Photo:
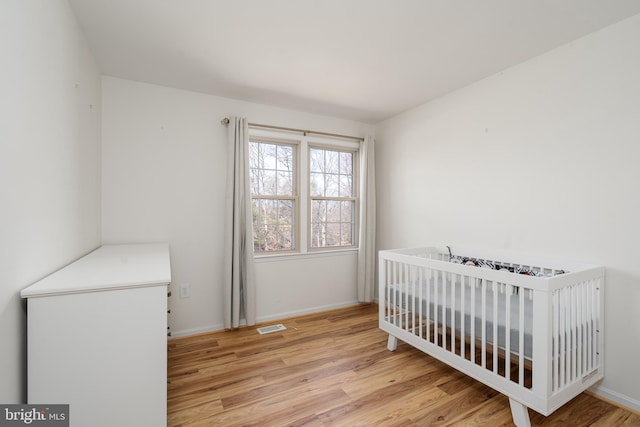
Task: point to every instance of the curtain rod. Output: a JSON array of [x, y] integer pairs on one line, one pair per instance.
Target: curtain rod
[[225, 122]]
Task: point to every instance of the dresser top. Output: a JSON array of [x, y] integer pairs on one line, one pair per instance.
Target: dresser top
[[109, 267]]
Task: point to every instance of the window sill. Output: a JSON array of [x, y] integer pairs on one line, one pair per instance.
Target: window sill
[[304, 255]]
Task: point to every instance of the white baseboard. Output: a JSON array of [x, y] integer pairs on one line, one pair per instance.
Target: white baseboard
[[262, 319], [196, 331], [302, 312], [619, 398]]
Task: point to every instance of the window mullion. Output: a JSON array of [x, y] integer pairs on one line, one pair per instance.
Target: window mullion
[[304, 202]]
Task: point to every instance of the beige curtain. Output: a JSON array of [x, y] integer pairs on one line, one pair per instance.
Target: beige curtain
[[367, 244], [239, 274]]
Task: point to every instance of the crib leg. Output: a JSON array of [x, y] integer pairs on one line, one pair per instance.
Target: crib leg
[[392, 343], [520, 414]]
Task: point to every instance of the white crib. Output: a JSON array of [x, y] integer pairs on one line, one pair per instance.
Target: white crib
[[535, 337]]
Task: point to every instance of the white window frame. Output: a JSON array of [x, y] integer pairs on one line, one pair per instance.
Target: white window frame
[[339, 146], [295, 197], [302, 185]]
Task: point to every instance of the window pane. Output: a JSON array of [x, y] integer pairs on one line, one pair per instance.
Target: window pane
[[316, 160], [333, 234], [331, 163], [317, 235], [271, 169], [267, 183], [332, 223], [285, 212], [273, 238], [317, 184], [346, 235], [255, 155], [318, 210], [286, 238], [333, 211], [346, 163], [332, 185], [285, 158], [268, 160], [285, 183], [346, 186], [254, 179], [346, 213], [273, 224]]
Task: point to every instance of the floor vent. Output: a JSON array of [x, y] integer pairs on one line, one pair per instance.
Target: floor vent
[[272, 328]]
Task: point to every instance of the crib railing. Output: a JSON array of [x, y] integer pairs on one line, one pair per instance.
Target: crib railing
[[442, 308], [532, 337], [575, 328]]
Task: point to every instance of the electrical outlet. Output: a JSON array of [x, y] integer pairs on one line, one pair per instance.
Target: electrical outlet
[[185, 290]]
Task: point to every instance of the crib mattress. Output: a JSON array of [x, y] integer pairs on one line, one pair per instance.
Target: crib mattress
[[422, 297]]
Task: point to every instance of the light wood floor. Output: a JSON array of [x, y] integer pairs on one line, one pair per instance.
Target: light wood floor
[[333, 369]]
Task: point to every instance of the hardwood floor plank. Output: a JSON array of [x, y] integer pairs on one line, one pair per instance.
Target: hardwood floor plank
[[194, 408], [457, 407], [334, 369], [494, 412], [618, 418]]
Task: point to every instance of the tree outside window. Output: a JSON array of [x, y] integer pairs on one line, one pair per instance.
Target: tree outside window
[[273, 196], [332, 198]]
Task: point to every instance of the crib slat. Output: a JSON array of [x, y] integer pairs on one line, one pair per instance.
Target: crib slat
[[392, 292], [596, 325], [429, 286], [569, 332], [436, 304], [562, 338], [495, 327], [590, 327], [389, 271], [580, 324], [507, 330], [590, 333], [556, 349], [443, 307], [521, 338], [397, 297], [483, 356], [421, 298], [454, 278], [598, 312], [574, 339], [463, 287], [405, 293], [414, 300], [392, 300], [590, 324], [587, 326], [472, 297]]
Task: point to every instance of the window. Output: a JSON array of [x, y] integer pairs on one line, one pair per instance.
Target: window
[[306, 205], [332, 198], [274, 206]]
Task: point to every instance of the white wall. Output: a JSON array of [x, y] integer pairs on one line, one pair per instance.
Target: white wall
[[164, 172], [541, 159], [49, 162]]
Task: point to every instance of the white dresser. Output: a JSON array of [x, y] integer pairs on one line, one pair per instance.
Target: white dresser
[[97, 337]]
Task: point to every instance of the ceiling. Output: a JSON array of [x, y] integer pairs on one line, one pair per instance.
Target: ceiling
[[364, 60]]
